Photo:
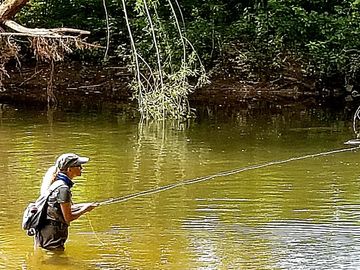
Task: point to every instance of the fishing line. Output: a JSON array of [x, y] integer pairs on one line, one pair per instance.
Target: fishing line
[[93, 230], [220, 174]]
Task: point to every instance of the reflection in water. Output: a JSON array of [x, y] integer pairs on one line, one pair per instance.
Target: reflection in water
[[290, 215]]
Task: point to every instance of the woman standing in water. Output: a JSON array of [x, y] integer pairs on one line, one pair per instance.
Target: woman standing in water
[[53, 234]]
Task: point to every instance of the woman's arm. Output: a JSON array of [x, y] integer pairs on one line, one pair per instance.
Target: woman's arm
[[72, 214]]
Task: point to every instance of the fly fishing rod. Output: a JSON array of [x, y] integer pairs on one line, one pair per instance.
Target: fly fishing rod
[[221, 174], [353, 142]]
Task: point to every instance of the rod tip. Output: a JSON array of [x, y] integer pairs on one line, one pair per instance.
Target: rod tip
[[355, 142]]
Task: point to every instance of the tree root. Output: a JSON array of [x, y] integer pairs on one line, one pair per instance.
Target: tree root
[[9, 50]]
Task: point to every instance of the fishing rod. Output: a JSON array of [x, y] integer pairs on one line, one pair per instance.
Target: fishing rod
[[224, 173], [353, 142]]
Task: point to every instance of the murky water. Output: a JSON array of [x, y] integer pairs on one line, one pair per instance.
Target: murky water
[[301, 214]]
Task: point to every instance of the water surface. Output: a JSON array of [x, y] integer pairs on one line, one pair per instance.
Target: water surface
[[295, 215]]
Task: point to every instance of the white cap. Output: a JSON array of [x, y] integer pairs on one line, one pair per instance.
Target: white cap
[[68, 160]]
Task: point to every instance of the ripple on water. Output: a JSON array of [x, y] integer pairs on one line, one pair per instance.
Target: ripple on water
[[315, 245], [289, 244]]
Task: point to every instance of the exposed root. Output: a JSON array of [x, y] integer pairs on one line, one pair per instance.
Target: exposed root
[[54, 49], [48, 49], [9, 50]]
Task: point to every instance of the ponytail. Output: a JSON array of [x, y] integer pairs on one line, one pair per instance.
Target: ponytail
[[48, 179]]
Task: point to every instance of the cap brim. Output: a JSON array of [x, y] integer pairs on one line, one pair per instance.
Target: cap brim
[[81, 160]]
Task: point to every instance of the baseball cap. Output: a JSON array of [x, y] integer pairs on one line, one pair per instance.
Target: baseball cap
[[68, 160]]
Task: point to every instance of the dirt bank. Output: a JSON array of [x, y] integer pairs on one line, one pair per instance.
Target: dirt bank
[[69, 84], [83, 85]]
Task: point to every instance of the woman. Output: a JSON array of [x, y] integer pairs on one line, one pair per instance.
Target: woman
[[60, 212]]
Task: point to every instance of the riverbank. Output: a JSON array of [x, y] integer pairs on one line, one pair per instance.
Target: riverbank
[[75, 85]]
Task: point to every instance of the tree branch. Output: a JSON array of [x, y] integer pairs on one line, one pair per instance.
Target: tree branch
[[57, 32], [9, 8]]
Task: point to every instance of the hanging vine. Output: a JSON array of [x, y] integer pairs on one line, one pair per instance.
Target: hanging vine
[[161, 84]]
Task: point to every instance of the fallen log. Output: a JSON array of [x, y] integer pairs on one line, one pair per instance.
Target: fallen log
[[8, 10], [56, 32]]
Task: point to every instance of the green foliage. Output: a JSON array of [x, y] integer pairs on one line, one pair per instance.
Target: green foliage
[[164, 61], [82, 14], [255, 39], [322, 39], [336, 51]]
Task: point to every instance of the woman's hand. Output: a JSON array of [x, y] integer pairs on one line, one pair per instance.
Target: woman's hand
[[83, 207], [90, 206], [72, 212]]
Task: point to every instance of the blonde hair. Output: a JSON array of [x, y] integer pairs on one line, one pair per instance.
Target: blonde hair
[[48, 179]]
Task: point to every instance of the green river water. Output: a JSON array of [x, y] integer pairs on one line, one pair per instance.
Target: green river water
[[301, 214]]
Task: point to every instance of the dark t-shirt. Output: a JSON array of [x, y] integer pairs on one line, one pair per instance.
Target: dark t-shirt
[[60, 195]]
